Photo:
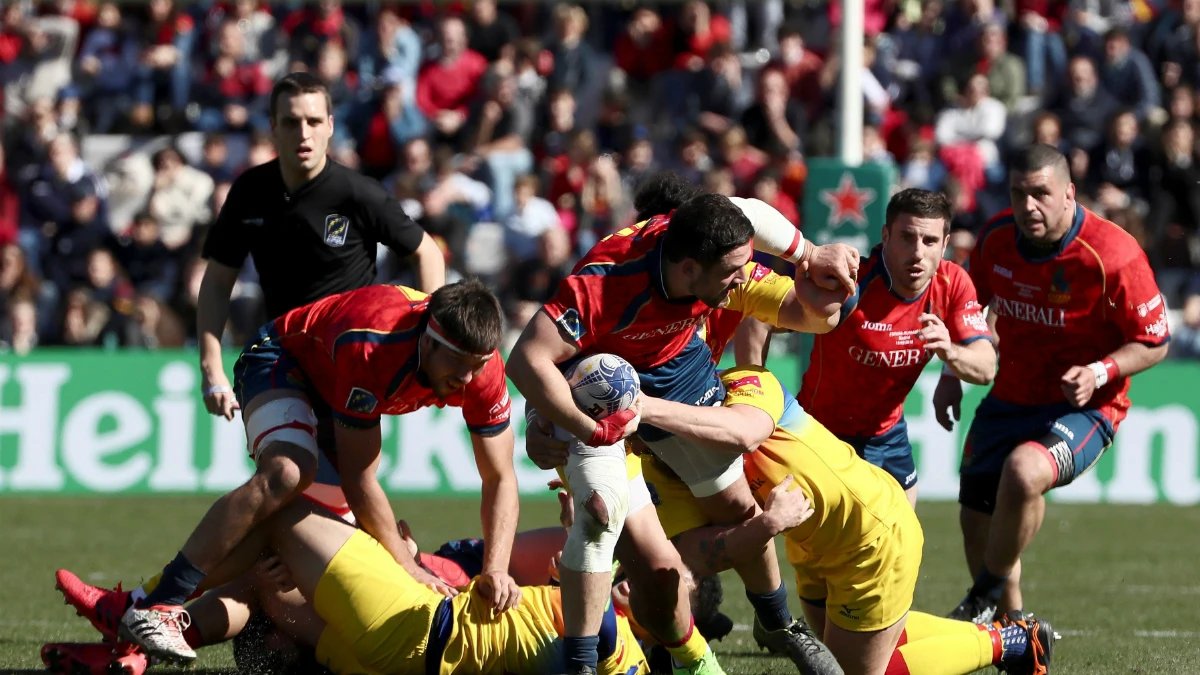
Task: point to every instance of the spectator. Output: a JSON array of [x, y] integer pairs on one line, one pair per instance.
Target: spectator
[[493, 135], [693, 158], [416, 166], [387, 129], [1118, 169], [719, 181], [164, 75], [108, 64], [923, 169], [392, 55], [150, 266], [1185, 338], [1084, 107], [743, 161], [258, 28], [801, 68], [1181, 103], [767, 188], [262, 150], [234, 93], [1005, 72], [1128, 75], [642, 50], [73, 240], [180, 199], [559, 128], [695, 33], [1174, 197], [601, 201], [491, 32], [20, 332], [874, 148], [576, 66], [529, 222], [531, 85], [17, 280], [214, 159], [963, 21], [48, 195], [614, 130], [342, 86], [447, 85], [968, 134], [776, 122], [535, 281], [311, 28], [10, 206], [721, 94], [638, 161], [1045, 51], [918, 50], [1047, 129]]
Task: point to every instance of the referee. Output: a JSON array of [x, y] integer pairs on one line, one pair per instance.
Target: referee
[[311, 225]]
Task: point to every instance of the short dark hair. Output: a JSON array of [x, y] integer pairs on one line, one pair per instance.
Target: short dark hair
[[1039, 156], [662, 193], [295, 84], [921, 204], [706, 228], [469, 314]]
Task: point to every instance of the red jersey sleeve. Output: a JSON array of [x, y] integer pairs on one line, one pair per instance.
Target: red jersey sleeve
[[352, 402], [486, 406], [965, 320], [573, 309], [1140, 311]]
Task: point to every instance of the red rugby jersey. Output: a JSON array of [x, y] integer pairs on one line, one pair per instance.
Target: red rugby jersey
[[860, 373], [615, 302], [1092, 294], [359, 352]]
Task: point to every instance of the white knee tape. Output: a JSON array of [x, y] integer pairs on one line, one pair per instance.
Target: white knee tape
[[706, 471], [287, 420], [590, 545]]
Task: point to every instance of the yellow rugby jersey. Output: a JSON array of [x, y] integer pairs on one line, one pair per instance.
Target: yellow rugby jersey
[[853, 501], [760, 297]]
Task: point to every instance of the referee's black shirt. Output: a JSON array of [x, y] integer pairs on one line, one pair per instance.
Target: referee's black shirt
[[315, 242]]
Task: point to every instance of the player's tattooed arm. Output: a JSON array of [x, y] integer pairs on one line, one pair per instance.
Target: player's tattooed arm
[[716, 548], [735, 428]]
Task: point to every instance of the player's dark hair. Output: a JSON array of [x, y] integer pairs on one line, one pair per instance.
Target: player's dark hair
[[469, 314], [295, 84], [1037, 157], [662, 193], [920, 204], [706, 228]]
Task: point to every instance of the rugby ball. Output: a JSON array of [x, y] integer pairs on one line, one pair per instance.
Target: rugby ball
[[603, 384]]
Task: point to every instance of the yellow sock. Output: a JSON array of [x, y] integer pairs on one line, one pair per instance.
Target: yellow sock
[[921, 625], [150, 584], [937, 646], [690, 648]]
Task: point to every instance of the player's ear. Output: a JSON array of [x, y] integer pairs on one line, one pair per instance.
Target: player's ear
[[1071, 191]]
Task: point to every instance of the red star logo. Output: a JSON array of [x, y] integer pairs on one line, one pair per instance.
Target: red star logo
[[847, 202]]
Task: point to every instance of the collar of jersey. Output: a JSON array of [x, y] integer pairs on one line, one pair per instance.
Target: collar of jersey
[[1076, 225], [411, 367], [877, 254], [306, 184]]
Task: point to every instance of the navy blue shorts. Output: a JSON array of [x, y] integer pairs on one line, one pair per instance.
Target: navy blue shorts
[[466, 553], [265, 365], [889, 451], [1074, 439]]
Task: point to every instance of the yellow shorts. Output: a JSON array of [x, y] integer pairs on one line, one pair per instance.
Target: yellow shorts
[[378, 621], [867, 589], [377, 616]]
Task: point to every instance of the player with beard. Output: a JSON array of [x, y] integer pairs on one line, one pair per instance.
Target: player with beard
[[1077, 312], [645, 294]]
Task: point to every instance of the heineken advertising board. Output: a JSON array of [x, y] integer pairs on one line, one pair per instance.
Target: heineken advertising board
[[80, 422]]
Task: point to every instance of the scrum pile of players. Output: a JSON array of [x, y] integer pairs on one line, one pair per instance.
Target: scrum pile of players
[[306, 569]]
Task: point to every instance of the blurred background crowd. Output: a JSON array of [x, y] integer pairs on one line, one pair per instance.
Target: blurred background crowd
[[515, 134]]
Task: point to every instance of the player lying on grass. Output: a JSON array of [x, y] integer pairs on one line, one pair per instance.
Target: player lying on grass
[[856, 559], [644, 294], [1077, 312], [320, 377], [363, 612]]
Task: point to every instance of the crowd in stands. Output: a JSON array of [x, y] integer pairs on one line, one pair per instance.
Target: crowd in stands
[[516, 133]]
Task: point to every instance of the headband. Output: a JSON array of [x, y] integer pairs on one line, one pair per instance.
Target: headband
[[435, 331]]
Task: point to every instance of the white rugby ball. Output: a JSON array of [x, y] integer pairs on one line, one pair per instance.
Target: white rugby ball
[[603, 384]]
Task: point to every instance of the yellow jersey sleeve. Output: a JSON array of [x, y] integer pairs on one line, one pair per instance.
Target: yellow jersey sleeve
[[754, 386], [762, 294]]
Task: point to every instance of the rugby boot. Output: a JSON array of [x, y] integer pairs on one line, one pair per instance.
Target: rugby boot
[[705, 665], [1040, 636], [100, 658], [159, 631], [800, 644], [101, 606], [977, 609]]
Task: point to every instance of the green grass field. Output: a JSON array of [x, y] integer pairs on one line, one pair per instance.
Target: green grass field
[[1119, 582]]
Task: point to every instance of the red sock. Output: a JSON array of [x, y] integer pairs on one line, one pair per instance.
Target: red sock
[[897, 666]]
